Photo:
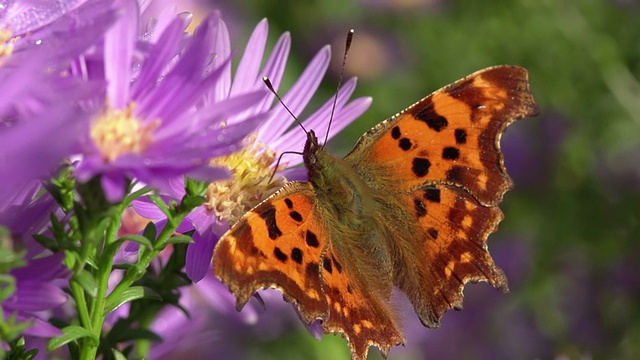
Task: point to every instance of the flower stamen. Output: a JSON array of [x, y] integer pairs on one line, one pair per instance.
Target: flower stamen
[[252, 168], [119, 132]]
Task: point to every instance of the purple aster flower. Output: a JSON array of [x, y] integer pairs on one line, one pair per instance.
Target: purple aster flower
[[38, 289], [158, 121], [253, 166], [39, 283], [27, 26], [39, 116]]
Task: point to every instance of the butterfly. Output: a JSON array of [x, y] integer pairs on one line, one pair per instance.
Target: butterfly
[[410, 207]]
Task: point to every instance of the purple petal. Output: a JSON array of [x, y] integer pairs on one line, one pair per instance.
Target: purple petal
[[342, 118], [41, 328], [274, 69], [23, 215], [159, 57], [35, 296], [199, 255], [295, 138], [145, 208], [249, 66], [42, 269], [210, 173], [119, 45], [202, 219], [114, 186], [25, 16], [296, 174], [34, 149], [296, 98], [222, 50]]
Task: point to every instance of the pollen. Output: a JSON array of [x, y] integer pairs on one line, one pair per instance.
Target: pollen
[[119, 132], [7, 43], [252, 169]]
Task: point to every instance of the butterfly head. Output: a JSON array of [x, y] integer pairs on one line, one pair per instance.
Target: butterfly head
[[311, 147]]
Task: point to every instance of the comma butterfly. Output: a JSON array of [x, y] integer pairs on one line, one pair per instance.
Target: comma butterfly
[[410, 206]]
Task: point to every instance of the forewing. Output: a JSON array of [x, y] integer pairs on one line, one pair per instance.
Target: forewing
[[284, 243], [278, 244], [452, 136]]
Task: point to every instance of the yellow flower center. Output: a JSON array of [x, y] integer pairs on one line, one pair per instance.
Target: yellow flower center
[[119, 132], [251, 170]]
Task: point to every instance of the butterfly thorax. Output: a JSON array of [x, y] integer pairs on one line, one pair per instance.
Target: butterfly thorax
[[336, 180], [348, 207]]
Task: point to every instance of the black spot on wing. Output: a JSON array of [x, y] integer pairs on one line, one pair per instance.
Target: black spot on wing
[[434, 120], [336, 264], [280, 255], [450, 153], [288, 202], [312, 239], [432, 194], [295, 216], [461, 136], [405, 144], [395, 132], [433, 232], [269, 217], [326, 264], [420, 166], [296, 255]]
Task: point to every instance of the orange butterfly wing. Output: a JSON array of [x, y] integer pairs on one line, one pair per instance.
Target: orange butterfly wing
[[283, 243], [452, 136], [438, 171], [451, 233], [277, 244]]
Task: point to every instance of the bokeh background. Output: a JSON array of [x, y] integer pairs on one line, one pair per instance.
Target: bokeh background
[[570, 242]]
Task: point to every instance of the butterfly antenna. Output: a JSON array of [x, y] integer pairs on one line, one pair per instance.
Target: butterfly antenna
[[274, 92], [275, 168], [267, 82], [335, 98]]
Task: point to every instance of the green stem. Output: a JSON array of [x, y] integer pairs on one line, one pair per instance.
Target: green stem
[[105, 266], [81, 304], [138, 271]]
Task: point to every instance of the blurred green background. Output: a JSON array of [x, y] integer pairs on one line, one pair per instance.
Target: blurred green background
[[570, 241]]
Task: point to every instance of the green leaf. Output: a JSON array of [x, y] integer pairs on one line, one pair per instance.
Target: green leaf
[[57, 227], [7, 286], [71, 333], [195, 187], [88, 282], [131, 294], [17, 351], [92, 263], [47, 242], [118, 355], [122, 266], [160, 204], [150, 231], [180, 239], [190, 202], [130, 334], [137, 238]]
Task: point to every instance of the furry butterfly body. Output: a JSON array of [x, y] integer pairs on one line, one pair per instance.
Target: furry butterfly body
[[411, 206]]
